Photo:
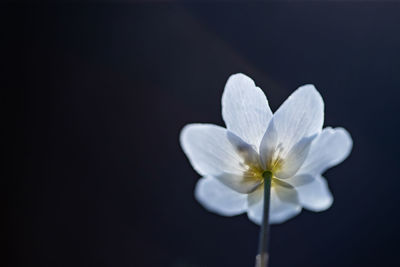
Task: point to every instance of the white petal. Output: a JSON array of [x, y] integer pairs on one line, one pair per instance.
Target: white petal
[[245, 109], [295, 158], [268, 144], [301, 115], [246, 151], [243, 183], [218, 198], [315, 196], [255, 202], [330, 148], [209, 150], [212, 151], [300, 179], [286, 192], [283, 205]]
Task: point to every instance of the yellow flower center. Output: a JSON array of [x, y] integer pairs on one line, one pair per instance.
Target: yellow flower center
[[257, 173]]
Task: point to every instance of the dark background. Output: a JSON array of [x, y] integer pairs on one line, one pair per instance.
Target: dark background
[[99, 94]]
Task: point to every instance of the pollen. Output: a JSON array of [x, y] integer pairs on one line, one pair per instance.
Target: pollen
[[254, 171], [275, 165]]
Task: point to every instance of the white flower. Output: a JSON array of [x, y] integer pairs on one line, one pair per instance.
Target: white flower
[[290, 143]]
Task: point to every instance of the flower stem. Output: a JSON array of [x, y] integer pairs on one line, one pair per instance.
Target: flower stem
[[262, 256]]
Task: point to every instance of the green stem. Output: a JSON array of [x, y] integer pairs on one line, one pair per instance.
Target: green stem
[[262, 257]]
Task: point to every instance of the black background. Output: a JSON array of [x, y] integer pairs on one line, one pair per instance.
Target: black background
[[99, 94]]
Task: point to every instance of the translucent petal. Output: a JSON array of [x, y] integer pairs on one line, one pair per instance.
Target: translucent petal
[[315, 196], [268, 144], [299, 180], [283, 204], [255, 205], [246, 151], [209, 150], [301, 115], [213, 151], [218, 198], [330, 148], [295, 158], [243, 183], [245, 109]]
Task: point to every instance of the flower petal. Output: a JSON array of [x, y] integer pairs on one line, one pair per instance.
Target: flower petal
[[255, 202], [295, 158], [300, 179], [246, 151], [282, 211], [315, 196], [286, 192], [245, 109], [209, 150], [284, 202], [218, 198], [213, 151], [301, 115], [243, 183], [330, 148], [283, 205], [268, 144]]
